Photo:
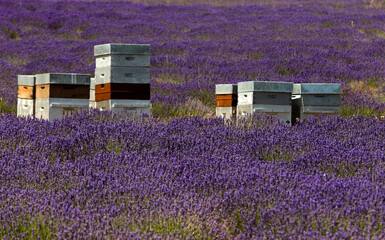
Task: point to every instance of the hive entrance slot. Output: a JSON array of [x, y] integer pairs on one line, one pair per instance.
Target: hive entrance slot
[[129, 74], [130, 58]]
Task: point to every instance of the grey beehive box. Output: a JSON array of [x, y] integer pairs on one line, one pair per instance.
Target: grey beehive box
[[121, 106], [226, 89], [122, 75], [63, 78], [26, 80], [315, 99], [122, 61], [263, 86], [55, 108], [273, 98], [122, 49]]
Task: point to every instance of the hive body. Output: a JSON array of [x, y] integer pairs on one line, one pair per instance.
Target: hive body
[[122, 77], [226, 100], [315, 99], [273, 98], [61, 94], [26, 95]]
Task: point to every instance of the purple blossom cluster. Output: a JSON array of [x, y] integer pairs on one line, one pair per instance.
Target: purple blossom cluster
[[98, 176], [195, 47]]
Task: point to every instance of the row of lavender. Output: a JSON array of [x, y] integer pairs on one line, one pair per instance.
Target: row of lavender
[[196, 47], [94, 176]]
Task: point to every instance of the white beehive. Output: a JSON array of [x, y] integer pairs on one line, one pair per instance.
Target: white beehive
[[315, 99], [121, 70], [273, 98], [61, 94], [26, 95], [226, 100]]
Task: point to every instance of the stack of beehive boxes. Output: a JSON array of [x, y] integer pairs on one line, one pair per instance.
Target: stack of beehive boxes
[[61, 94], [272, 98], [122, 77], [26, 95], [315, 99], [226, 100]]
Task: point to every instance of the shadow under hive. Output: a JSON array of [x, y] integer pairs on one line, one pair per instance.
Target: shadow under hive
[[226, 100], [25, 95], [315, 99], [61, 94], [122, 77], [273, 98]]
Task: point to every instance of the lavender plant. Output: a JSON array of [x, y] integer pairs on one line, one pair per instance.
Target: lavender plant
[[103, 176], [100, 176]]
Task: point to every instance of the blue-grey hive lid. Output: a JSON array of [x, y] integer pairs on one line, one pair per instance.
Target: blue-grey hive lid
[[226, 89], [316, 88], [63, 78], [264, 86], [26, 80], [120, 48]]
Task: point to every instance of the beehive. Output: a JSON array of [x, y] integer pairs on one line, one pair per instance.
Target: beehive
[[273, 98], [122, 77], [315, 99], [61, 94], [26, 95], [226, 100]]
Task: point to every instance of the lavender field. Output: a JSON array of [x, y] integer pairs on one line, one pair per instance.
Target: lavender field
[[184, 174]]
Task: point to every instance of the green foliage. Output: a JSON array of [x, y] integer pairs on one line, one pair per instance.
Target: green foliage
[[5, 107], [348, 111], [30, 228]]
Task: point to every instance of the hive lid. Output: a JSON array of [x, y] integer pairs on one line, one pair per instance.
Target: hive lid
[[120, 48], [26, 80], [63, 78], [317, 88], [226, 88], [263, 86]]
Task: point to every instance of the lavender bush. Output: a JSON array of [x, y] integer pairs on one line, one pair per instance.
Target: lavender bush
[[100, 176], [103, 176]]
